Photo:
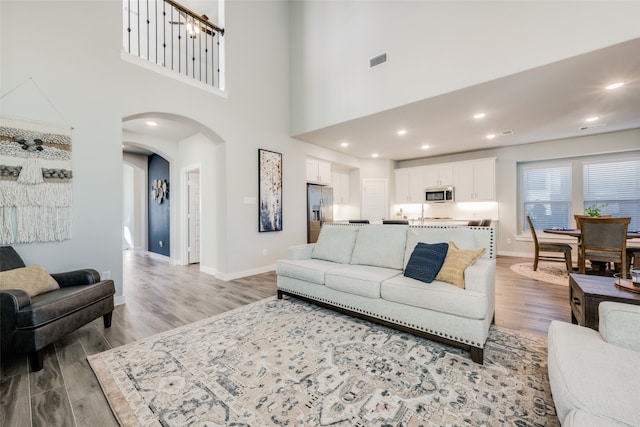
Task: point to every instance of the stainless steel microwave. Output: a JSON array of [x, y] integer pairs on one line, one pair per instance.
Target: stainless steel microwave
[[439, 195]]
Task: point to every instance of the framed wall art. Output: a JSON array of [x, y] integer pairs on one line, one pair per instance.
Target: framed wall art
[[269, 190]]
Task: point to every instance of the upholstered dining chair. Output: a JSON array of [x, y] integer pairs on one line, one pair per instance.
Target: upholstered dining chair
[[579, 217], [633, 258], [604, 239], [549, 247]]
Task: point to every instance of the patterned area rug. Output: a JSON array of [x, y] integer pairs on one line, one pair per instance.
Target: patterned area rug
[[550, 272], [287, 362]]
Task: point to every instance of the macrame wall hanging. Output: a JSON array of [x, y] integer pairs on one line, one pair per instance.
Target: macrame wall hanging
[[35, 181]]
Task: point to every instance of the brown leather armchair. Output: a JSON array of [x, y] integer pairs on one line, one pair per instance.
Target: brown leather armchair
[[29, 324]]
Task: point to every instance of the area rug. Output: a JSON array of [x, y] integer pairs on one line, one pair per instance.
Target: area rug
[[550, 272], [287, 362]]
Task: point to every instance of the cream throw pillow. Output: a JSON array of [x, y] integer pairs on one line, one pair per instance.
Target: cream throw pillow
[[456, 262], [34, 280]]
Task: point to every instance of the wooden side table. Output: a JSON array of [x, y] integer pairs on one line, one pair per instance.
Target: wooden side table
[[586, 292]]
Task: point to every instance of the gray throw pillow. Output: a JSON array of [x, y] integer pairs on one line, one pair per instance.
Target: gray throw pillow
[[335, 243]]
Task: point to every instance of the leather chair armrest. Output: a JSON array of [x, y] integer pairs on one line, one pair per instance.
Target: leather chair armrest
[[85, 276], [14, 300], [11, 301]]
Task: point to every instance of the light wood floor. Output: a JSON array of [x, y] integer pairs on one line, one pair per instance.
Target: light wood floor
[[159, 297]]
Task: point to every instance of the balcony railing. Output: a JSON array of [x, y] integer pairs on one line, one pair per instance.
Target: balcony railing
[[170, 35]]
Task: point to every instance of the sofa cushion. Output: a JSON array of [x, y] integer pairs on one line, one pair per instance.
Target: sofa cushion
[[456, 262], [425, 261], [335, 243], [438, 296], [359, 279], [34, 280], [309, 270], [380, 246]]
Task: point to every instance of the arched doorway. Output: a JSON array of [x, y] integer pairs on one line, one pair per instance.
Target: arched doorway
[[192, 150]]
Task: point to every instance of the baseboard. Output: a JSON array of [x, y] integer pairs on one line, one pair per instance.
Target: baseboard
[[245, 273], [119, 300]]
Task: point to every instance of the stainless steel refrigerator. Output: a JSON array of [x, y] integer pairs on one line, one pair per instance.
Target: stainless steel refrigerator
[[319, 209]]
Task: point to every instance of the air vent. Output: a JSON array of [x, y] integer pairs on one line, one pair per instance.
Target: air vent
[[377, 60], [599, 125], [506, 132]]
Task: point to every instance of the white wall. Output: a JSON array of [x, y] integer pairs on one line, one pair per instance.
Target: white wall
[[79, 69], [434, 47]]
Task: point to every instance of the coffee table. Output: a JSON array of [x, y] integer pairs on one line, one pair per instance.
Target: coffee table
[[586, 292]]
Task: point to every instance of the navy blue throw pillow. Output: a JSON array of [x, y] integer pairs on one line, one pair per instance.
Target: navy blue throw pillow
[[426, 261]]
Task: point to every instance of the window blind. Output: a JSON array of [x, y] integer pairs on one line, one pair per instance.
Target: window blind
[[547, 196], [615, 187]]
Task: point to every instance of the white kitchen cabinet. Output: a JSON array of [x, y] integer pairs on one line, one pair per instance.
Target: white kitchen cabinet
[[410, 185], [475, 180], [318, 171], [340, 183], [438, 175]]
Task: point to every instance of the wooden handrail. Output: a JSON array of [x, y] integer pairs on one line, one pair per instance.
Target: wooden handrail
[[195, 15]]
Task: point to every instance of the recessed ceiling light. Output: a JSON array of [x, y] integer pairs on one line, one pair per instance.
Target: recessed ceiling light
[[344, 144], [374, 155], [591, 119], [152, 124], [425, 147], [479, 115], [491, 136], [402, 132], [614, 85]]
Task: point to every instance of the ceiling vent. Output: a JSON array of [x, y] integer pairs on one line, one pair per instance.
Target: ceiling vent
[[377, 60], [599, 125], [506, 132]]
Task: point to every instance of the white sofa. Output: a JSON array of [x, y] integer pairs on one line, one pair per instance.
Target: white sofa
[[358, 269], [595, 375]]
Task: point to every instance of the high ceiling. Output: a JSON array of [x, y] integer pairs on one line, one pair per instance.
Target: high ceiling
[[546, 103]]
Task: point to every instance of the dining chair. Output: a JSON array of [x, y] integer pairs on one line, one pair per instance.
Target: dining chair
[[633, 258], [579, 217], [605, 240], [549, 247], [596, 265]]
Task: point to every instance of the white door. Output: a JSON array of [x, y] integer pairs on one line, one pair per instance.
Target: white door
[[374, 199], [193, 216]]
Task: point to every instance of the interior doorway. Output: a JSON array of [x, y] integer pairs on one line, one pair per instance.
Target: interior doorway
[[374, 199], [193, 216]]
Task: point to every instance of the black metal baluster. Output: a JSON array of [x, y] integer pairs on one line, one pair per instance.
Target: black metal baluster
[[201, 35], [172, 26], [193, 53], [139, 29], [164, 34], [148, 33], [179, 47], [155, 14], [206, 59], [129, 26], [218, 54]]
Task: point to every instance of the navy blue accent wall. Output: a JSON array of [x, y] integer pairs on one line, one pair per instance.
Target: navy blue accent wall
[[159, 225]]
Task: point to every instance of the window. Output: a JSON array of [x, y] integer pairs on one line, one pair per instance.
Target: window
[[547, 195], [614, 186]]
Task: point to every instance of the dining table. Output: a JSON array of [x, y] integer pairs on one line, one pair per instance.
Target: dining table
[[577, 233]]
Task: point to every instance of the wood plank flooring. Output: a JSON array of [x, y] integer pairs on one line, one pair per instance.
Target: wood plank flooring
[[161, 296]]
